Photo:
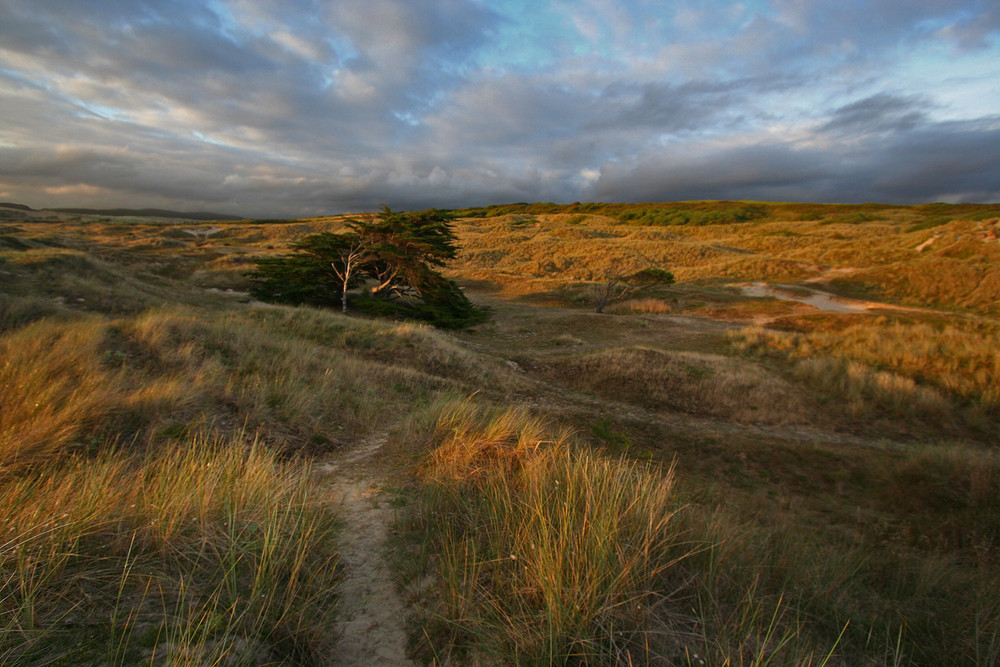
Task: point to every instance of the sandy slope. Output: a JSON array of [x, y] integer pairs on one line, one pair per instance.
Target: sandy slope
[[373, 614]]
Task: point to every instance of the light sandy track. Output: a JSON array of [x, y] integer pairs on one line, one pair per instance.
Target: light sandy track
[[373, 615]]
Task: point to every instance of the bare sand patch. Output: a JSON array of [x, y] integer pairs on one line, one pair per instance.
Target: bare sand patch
[[374, 616]]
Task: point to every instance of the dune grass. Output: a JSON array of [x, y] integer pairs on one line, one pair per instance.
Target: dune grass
[[209, 552], [545, 556], [156, 506], [876, 246], [902, 363], [543, 552], [546, 553], [695, 383]]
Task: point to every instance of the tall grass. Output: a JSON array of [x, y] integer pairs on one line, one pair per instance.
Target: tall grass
[[52, 388], [189, 549], [912, 585], [546, 554], [208, 553], [312, 378]]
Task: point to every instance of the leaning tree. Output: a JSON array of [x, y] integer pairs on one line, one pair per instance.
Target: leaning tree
[[390, 258], [626, 281]]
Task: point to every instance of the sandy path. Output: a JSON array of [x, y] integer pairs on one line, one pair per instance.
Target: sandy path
[[373, 616]]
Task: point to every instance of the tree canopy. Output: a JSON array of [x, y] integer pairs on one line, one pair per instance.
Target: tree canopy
[[389, 258]]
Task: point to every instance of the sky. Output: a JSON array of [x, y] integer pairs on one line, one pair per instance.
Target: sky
[[281, 108]]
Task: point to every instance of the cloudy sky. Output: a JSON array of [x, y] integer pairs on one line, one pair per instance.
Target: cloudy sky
[[303, 107]]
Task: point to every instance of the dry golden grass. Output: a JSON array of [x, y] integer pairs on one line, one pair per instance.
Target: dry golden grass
[[546, 556], [960, 360], [208, 553], [313, 378], [110, 341], [52, 388], [641, 306], [960, 270], [549, 554]]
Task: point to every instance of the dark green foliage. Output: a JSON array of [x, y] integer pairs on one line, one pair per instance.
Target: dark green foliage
[[303, 278], [675, 213], [858, 218], [929, 223], [652, 277], [696, 215], [389, 257]]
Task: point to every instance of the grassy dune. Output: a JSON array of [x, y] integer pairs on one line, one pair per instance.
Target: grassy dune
[[695, 477], [207, 553]]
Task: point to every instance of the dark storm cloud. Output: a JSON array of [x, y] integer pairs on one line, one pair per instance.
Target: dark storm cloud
[[935, 162], [878, 113], [948, 162], [281, 107]]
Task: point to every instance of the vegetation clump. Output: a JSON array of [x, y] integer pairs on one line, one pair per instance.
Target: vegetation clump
[[547, 556], [213, 553], [391, 255], [619, 287]]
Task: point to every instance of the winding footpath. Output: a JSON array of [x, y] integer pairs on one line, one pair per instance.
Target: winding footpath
[[373, 615]]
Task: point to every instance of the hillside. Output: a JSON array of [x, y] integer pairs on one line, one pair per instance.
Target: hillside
[[13, 210], [788, 456]]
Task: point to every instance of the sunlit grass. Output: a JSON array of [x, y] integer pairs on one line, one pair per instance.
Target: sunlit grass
[[546, 556], [131, 537], [927, 360], [213, 548]]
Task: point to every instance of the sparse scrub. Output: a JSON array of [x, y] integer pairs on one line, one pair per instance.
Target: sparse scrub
[[958, 274], [642, 306], [902, 569], [861, 389], [18, 311]]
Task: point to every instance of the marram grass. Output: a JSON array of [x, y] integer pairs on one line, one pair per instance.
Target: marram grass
[[207, 553], [547, 554]]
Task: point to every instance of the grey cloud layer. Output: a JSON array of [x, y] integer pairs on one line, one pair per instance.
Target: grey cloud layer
[[284, 108]]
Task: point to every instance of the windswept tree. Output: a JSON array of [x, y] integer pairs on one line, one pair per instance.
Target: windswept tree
[[401, 248], [389, 258], [624, 284]]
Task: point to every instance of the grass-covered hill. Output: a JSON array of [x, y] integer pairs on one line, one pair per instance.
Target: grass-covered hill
[[715, 471]]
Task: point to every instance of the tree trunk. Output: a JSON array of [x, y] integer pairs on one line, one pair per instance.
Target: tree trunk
[[601, 300], [604, 296]]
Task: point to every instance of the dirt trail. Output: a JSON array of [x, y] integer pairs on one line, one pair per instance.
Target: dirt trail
[[372, 612]]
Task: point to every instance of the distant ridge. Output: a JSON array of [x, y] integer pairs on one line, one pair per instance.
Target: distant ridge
[[140, 213], [19, 207]]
